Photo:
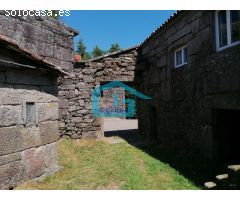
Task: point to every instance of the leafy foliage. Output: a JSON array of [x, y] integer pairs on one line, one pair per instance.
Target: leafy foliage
[[97, 51], [114, 47]]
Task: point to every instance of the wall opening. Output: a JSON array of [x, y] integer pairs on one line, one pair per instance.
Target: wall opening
[[226, 132], [31, 114], [123, 127]]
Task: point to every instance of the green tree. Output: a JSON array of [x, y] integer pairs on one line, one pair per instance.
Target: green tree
[[97, 52], [82, 50], [81, 47], [86, 56], [114, 47]]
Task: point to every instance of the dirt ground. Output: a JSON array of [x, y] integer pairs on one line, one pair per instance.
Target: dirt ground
[[116, 124]]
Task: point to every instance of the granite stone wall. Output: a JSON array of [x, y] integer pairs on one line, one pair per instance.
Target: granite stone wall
[[27, 151], [77, 120], [181, 114], [45, 36]]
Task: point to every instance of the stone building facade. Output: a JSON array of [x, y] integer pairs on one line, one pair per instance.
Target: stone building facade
[[35, 52], [195, 86], [77, 120], [44, 36], [28, 115]]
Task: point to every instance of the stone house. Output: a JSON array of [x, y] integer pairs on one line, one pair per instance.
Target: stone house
[[29, 114], [190, 66], [31, 48]]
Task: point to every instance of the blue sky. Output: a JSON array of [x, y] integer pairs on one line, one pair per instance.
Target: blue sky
[[102, 28]]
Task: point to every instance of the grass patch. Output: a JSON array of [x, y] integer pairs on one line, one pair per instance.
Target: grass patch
[[90, 164]]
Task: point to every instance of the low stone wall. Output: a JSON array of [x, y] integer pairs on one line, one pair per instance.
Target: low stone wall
[[77, 120]]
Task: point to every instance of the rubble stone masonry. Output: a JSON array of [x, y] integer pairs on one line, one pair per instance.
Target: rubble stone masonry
[[77, 120]]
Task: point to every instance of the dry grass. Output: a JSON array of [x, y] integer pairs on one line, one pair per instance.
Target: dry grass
[[90, 164]]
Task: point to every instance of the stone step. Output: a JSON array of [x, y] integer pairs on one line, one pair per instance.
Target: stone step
[[234, 168], [222, 181], [234, 174], [210, 186]]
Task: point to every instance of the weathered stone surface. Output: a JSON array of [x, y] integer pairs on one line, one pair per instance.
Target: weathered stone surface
[[88, 79], [89, 134], [18, 96], [49, 39], [10, 115], [180, 115], [49, 132], [9, 97], [77, 119], [10, 158], [63, 104], [11, 175], [34, 162], [11, 139], [22, 149], [48, 112], [76, 90], [30, 137], [51, 157], [18, 138]]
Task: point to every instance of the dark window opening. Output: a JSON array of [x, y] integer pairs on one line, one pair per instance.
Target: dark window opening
[[30, 114], [226, 127], [235, 25]]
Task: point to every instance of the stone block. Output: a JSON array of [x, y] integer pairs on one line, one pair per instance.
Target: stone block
[[49, 132], [210, 185], [81, 102], [63, 53], [89, 135], [18, 96], [63, 104], [11, 175], [10, 115], [17, 138], [11, 139], [30, 137], [88, 79], [9, 97], [89, 71], [51, 157], [48, 111], [222, 181], [77, 120], [34, 162], [6, 159]]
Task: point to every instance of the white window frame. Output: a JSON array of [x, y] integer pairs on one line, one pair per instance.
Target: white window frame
[[229, 34], [175, 56]]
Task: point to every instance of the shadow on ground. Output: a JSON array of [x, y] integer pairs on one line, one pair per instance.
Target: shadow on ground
[[197, 172]]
